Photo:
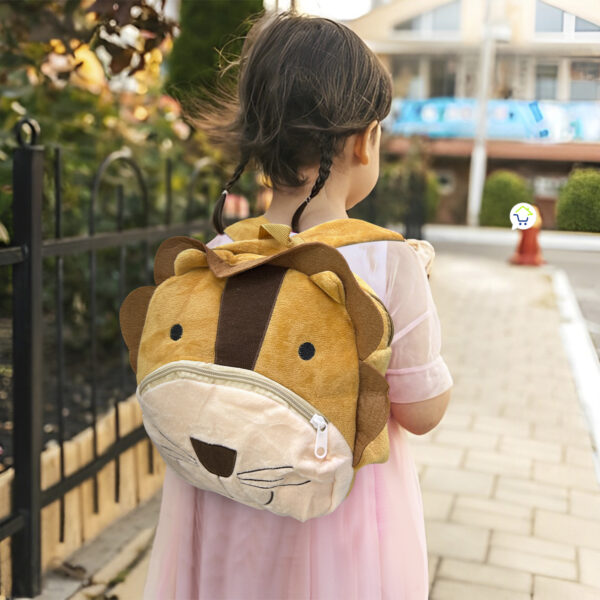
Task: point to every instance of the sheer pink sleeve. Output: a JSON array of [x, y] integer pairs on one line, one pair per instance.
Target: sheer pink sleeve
[[417, 371]]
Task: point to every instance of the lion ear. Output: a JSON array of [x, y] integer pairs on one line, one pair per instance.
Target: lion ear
[[132, 317], [164, 262], [190, 259], [331, 284], [372, 410]]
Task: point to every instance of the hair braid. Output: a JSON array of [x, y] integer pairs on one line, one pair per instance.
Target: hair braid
[[217, 217], [327, 153]]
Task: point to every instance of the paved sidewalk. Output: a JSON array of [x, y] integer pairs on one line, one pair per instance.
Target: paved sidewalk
[[511, 497]]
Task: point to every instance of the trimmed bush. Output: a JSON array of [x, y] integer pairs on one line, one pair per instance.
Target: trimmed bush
[[578, 206], [432, 197], [502, 190]]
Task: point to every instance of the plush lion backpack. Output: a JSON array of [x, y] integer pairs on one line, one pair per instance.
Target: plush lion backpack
[[260, 364]]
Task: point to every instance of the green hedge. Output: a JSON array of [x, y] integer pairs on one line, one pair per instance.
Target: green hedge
[[502, 190], [578, 206]]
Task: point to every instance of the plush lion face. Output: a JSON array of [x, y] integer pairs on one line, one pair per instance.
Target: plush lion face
[[236, 353]]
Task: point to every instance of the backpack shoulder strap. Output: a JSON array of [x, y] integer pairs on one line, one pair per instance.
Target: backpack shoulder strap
[[345, 232], [341, 232]]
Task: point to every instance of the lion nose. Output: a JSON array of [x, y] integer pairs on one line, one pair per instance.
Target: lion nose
[[219, 460]]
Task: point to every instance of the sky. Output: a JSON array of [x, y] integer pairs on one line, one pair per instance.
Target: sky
[[335, 9]]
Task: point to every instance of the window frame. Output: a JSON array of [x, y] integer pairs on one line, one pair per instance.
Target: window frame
[[540, 62], [571, 80], [568, 33]]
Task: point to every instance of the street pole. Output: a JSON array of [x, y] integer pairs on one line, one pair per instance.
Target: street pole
[[479, 154]]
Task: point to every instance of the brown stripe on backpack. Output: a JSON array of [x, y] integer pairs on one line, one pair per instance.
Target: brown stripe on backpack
[[246, 307]]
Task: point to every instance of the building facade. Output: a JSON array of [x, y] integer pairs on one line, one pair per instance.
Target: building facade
[[545, 50]]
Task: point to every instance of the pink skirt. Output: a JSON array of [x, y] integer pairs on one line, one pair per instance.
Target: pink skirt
[[371, 547]]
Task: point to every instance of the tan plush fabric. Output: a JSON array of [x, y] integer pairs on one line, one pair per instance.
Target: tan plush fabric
[[318, 303], [340, 232]]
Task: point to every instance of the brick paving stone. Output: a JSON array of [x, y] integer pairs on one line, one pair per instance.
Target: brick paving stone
[[566, 528], [540, 565], [466, 439], [532, 545], [492, 514], [544, 451], [437, 505], [490, 408], [562, 435], [445, 589], [457, 541], [532, 415], [433, 563], [550, 588], [502, 426], [456, 420], [497, 462], [589, 567], [458, 481], [585, 504], [580, 478], [483, 574], [579, 456], [532, 493], [438, 455]]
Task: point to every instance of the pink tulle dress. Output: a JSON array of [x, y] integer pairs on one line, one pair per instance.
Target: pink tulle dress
[[371, 547]]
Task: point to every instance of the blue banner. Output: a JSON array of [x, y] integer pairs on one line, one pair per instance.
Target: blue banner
[[542, 121]]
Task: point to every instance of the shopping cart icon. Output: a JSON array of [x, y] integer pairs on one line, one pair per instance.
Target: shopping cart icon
[[522, 221], [522, 216]]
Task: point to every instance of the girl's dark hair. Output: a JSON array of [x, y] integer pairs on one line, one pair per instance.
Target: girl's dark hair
[[305, 84]]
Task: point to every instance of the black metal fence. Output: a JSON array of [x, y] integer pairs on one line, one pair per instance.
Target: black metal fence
[[26, 256]]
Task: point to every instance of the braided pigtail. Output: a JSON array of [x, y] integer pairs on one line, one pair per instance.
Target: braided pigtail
[[324, 171], [217, 217]]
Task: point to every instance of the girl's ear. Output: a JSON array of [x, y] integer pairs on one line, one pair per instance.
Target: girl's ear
[[363, 145]]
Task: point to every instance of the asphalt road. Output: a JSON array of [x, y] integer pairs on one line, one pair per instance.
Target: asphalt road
[[582, 268]]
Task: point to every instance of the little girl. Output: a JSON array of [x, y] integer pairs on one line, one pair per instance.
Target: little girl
[[311, 97]]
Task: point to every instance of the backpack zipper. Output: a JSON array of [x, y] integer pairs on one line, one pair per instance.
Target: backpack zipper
[[293, 400]]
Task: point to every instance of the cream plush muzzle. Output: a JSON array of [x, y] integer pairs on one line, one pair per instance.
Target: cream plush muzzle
[[199, 415]]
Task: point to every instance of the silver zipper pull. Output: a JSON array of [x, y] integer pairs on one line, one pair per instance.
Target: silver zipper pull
[[320, 424]]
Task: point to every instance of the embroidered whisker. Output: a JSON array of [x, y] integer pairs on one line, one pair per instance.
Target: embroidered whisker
[[269, 487]]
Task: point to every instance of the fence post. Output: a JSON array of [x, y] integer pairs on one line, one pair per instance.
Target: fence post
[[28, 170]]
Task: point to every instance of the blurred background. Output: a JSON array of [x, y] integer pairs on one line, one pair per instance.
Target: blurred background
[[496, 102]]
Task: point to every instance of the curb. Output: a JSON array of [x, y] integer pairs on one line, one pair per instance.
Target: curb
[[549, 240], [581, 355], [108, 560], [117, 570]]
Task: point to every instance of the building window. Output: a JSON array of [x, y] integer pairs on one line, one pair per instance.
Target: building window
[[443, 19], [446, 17], [443, 78], [585, 80], [410, 25], [545, 82], [406, 77], [581, 25], [548, 19]]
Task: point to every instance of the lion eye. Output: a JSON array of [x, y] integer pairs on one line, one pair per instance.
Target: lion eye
[[176, 332], [306, 351]]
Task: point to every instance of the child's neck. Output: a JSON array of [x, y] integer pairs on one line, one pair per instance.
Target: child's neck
[[323, 207]]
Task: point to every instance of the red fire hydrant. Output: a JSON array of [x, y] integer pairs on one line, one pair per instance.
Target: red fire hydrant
[[528, 250]]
